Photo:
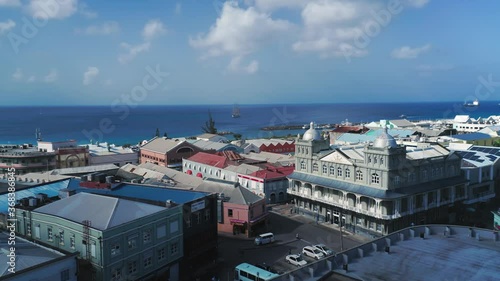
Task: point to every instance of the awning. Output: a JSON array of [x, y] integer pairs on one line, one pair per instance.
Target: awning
[[199, 175], [189, 172], [235, 221]]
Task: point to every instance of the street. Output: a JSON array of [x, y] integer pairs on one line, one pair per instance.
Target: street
[[234, 250]]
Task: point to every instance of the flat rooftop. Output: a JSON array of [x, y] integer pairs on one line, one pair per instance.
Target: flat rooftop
[[437, 257]]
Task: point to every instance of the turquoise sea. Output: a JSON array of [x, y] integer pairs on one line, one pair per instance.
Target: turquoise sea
[[122, 125]]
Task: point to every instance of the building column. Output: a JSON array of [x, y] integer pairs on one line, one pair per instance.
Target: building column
[[425, 201]]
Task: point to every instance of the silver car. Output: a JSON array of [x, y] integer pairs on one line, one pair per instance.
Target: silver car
[[324, 249]]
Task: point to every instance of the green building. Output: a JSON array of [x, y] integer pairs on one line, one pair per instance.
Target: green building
[[117, 239]]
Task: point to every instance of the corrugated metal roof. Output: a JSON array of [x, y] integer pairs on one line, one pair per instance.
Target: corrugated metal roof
[[178, 177], [472, 136], [145, 192], [237, 195], [104, 212], [28, 255], [209, 159], [162, 145], [51, 189]]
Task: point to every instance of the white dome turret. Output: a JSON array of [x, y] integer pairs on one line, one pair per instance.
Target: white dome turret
[[385, 140], [311, 134]]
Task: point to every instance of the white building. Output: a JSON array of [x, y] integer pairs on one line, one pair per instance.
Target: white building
[[104, 153]]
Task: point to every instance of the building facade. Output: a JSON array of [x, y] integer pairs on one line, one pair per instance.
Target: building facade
[[167, 152], [116, 239], [378, 187], [258, 176], [26, 159], [239, 211], [68, 153]]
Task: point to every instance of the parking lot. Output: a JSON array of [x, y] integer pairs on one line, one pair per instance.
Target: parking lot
[[234, 250]]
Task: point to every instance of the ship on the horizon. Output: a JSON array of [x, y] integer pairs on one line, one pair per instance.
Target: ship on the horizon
[[236, 112], [475, 103]]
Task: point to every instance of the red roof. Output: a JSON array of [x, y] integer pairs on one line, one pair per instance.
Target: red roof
[[271, 172], [214, 160]]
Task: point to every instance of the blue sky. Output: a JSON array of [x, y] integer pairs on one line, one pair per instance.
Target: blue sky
[[73, 52]]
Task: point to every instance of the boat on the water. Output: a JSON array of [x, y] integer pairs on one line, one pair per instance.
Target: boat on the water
[[475, 103], [236, 112]]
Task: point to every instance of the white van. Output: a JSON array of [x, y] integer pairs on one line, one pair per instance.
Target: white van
[[264, 239]]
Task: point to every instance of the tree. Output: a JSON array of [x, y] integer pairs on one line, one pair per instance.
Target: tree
[[237, 136], [209, 125], [157, 132]]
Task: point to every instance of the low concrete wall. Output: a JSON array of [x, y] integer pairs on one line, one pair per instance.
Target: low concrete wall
[[316, 270]]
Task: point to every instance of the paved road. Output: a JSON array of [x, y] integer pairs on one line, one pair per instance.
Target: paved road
[[235, 250]]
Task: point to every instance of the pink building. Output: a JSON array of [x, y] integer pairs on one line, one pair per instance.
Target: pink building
[[239, 210]]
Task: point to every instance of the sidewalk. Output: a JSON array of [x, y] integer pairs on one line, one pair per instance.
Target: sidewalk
[[284, 210]]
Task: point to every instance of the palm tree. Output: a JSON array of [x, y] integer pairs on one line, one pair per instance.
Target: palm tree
[[209, 125]]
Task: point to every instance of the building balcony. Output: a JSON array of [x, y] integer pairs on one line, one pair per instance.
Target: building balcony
[[481, 197]]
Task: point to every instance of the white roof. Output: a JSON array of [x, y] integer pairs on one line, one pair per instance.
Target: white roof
[[267, 142], [461, 118], [104, 212]]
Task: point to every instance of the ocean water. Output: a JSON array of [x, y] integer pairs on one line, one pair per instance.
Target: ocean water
[[131, 125]]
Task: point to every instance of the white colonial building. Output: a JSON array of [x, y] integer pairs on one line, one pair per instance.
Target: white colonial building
[[376, 187]]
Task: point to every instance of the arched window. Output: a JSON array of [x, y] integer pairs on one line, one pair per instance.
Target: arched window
[[347, 173], [339, 172], [375, 178], [359, 175], [325, 169], [302, 165], [332, 170], [315, 167]]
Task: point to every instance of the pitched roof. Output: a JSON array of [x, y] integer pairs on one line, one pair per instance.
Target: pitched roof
[[461, 118], [214, 160], [178, 177], [208, 145], [402, 123], [104, 212], [162, 145], [236, 194], [472, 136], [271, 172]]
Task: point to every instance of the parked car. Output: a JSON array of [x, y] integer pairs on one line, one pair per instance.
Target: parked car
[[324, 249], [312, 252], [295, 260], [264, 239]]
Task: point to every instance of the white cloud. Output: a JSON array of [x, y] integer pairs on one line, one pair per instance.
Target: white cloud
[[31, 79], [152, 29], [132, 51], [10, 3], [52, 9], [332, 28], [51, 77], [106, 28], [417, 3], [178, 8], [237, 33], [407, 52], [90, 75], [268, 6], [18, 74], [6, 26], [85, 11], [235, 66]]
